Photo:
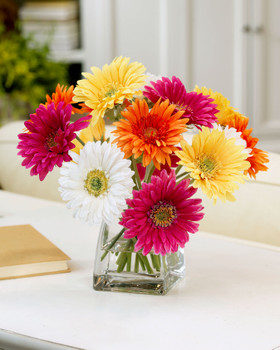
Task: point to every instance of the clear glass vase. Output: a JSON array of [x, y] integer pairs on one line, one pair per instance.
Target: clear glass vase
[[118, 268]]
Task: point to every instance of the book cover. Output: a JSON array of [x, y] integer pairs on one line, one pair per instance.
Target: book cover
[[25, 252]]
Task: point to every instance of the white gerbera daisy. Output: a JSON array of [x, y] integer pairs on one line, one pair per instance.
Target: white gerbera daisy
[[233, 133], [97, 184]]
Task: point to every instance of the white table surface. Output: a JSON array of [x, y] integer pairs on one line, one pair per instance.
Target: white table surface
[[230, 298]]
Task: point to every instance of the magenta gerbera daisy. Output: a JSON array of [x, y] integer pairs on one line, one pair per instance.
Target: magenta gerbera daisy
[[198, 108], [48, 138], [162, 214]]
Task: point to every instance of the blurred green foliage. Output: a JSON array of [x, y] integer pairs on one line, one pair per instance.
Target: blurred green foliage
[[27, 74]]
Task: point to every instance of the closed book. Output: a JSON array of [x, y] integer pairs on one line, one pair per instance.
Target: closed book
[[25, 252]]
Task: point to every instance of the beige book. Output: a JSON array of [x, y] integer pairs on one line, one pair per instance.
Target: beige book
[[25, 252]]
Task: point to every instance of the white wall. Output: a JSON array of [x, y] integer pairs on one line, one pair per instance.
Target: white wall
[[137, 32], [212, 49]]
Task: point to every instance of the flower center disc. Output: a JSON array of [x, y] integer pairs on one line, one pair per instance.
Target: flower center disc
[[110, 93], [189, 110], [50, 142], [150, 132], [110, 90], [163, 214], [207, 165], [96, 182]]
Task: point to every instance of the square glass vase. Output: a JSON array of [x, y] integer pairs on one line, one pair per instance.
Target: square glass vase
[[118, 268]]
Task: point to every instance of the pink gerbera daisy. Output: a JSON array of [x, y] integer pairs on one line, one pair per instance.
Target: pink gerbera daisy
[[162, 215], [48, 138], [198, 108]]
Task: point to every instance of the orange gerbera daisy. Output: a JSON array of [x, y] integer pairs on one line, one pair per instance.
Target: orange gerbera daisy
[[257, 157], [152, 134], [62, 94]]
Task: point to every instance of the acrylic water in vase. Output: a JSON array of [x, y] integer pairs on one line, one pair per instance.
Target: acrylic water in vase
[[119, 268], [140, 180]]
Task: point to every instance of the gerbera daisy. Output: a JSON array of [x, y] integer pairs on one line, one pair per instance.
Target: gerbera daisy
[[162, 215], [108, 87], [256, 157], [97, 184], [49, 138], [225, 111], [153, 134], [215, 163], [62, 94], [198, 108], [89, 134]]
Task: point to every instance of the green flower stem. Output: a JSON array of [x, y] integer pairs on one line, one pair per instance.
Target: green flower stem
[[159, 261], [146, 263], [80, 140], [156, 261], [149, 269], [128, 262], [153, 260], [184, 178], [126, 248], [106, 234], [136, 266], [164, 263], [135, 187], [136, 174], [182, 175], [149, 172], [157, 258], [122, 261], [179, 167], [141, 261], [113, 242], [130, 247], [120, 258], [125, 257]]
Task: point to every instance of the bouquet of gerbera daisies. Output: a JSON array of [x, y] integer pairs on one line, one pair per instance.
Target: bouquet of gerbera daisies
[[147, 175]]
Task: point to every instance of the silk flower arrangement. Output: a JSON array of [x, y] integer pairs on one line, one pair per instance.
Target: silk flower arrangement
[[146, 178]]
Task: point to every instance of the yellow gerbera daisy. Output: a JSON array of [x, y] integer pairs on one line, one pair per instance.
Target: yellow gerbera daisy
[[89, 134], [110, 86], [226, 112], [214, 162]]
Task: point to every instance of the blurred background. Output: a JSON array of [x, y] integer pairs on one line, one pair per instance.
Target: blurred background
[[231, 46]]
